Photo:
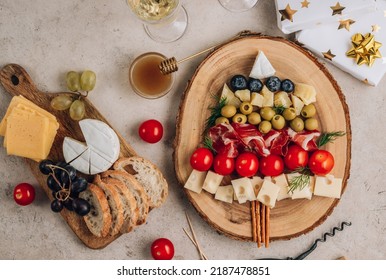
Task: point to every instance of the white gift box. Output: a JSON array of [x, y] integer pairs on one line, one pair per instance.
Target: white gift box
[[333, 41], [295, 15]]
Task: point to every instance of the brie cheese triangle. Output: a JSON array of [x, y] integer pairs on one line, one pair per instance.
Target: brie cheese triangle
[[262, 68]]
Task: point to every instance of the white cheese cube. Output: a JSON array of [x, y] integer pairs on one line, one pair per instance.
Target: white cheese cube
[[257, 183], [306, 93], [231, 99], [268, 97], [306, 192], [212, 182], [195, 181], [244, 95], [261, 68], [281, 181], [243, 189], [257, 99], [281, 99], [268, 193], [328, 186], [225, 193], [297, 104]]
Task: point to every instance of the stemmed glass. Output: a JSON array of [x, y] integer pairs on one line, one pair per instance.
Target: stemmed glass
[[238, 5], [164, 20]]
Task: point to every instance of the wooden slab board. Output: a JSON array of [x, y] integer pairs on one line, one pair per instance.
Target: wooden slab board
[[289, 218], [16, 81]]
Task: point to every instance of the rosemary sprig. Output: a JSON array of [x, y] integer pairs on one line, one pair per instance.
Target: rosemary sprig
[[329, 137], [301, 181], [208, 143], [215, 112], [279, 109]]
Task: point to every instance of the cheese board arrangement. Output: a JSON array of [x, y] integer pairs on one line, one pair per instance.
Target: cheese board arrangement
[[263, 140], [91, 175]]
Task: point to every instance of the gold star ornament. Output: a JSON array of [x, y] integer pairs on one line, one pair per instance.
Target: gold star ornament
[[375, 28], [287, 13], [364, 49], [345, 24], [337, 9], [328, 55], [305, 4]]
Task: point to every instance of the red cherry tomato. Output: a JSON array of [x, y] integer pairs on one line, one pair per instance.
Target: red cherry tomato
[[162, 249], [201, 159], [271, 165], [247, 164], [321, 162], [296, 157], [151, 131], [24, 194], [223, 165]]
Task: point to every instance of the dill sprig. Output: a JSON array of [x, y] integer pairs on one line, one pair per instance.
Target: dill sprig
[[215, 112], [208, 143], [301, 181], [279, 109], [329, 137]]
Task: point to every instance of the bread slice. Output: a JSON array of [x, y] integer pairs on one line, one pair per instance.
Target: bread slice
[[130, 208], [98, 220], [135, 188], [115, 203], [148, 175]]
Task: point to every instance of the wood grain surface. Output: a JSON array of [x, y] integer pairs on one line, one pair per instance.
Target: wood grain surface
[[16, 81], [289, 218]]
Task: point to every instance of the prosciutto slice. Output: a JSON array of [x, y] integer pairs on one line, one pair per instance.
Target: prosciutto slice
[[277, 142], [305, 139], [252, 138], [225, 140]]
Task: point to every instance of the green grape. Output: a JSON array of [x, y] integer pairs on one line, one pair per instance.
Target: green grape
[[87, 80], [77, 110], [61, 102], [73, 81]]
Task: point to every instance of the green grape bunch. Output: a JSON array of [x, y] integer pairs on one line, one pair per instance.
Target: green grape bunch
[[80, 84]]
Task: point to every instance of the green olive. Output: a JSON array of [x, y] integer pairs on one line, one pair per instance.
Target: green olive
[[265, 126], [221, 120], [246, 108], [267, 113], [308, 111], [254, 118], [239, 118], [311, 124], [297, 124], [278, 122], [289, 114], [228, 111]]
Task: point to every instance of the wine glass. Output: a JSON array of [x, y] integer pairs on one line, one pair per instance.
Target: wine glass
[[164, 20], [238, 5]]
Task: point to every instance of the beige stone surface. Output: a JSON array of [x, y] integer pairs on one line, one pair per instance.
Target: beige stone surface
[[49, 38]]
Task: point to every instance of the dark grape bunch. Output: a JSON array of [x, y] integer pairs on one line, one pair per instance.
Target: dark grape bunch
[[76, 82], [65, 187]]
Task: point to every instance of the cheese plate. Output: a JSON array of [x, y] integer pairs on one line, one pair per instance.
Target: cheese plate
[[289, 218], [16, 81]]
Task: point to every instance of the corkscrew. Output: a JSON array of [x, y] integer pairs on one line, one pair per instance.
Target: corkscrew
[[303, 255]]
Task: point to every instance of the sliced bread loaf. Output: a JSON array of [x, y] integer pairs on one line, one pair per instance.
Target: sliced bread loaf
[[135, 188], [148, 175], [130, 208], [115, 203], [98, 220]]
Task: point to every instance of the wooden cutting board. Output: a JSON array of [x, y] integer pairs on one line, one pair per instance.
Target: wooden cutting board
[[16, 81], [289, 218]]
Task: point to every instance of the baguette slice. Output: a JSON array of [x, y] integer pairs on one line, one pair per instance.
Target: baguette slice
[[115, 203], [98, 220], [135, 188], [148, 175], [130, 207]]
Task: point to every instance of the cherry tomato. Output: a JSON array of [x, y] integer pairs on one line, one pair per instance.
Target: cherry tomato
[[24, 194], [321, 162], [201, 159], [247, 164], [151, 131], [223, 165], [162, 249], [296, 157], [271, 165]]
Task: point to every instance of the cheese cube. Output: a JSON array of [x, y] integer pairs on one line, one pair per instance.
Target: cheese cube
[[257, 183], [243, 189], [257, 99], [306, 93], [231, 99], [225, 193], [195, 181], [261, 68], [244, 95], [268, 193], [297, 104], [268, 97], [306, 192], [281, 181], [281, 99], [212, 182], [328, 186]]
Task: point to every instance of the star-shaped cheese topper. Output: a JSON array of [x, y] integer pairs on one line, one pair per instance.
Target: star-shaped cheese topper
[[328, 55], [345, 24], [287, 13], [375, 28], [337, 9], [305, 4]]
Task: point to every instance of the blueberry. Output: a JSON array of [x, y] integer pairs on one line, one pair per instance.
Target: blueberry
[[273, 83], [287, 86], [238, 82], [255, 85]]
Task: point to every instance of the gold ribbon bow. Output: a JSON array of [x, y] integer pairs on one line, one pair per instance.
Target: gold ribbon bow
[[364, 49]]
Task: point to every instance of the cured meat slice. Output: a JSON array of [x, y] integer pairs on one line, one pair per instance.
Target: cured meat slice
[[277, 142], [225, 140], [305, 139], [251, 138]]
